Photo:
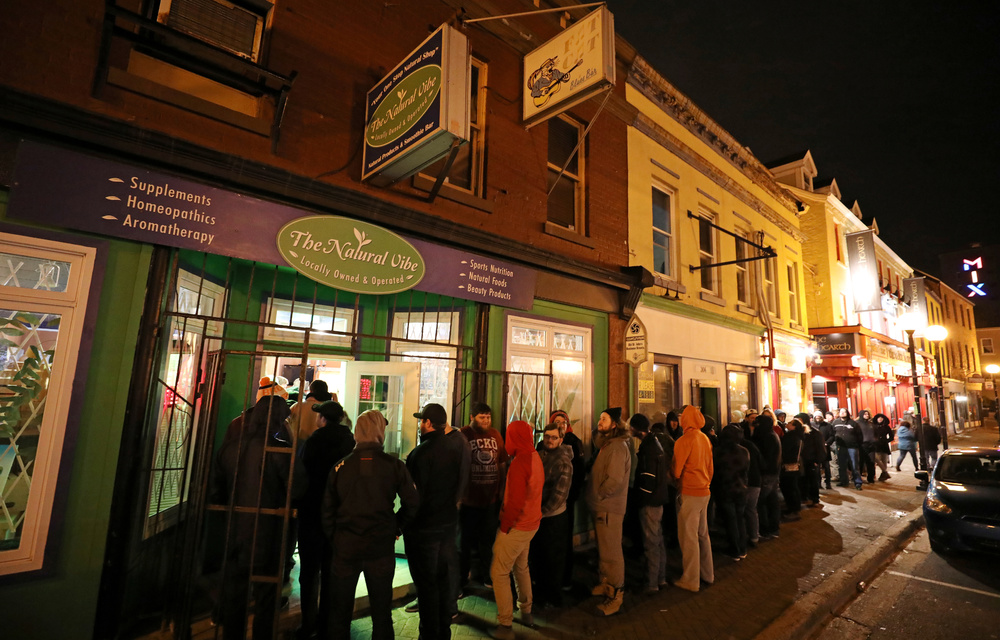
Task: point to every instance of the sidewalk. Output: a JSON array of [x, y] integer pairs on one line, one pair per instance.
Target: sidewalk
[[782, 590]]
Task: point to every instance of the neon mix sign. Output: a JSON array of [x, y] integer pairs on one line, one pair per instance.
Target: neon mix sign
[[976, 288]]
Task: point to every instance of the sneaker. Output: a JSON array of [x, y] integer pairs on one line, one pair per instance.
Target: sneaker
[[613, 603], [502, 632], [603, 589], [885, 476], [743, 557], [413, 607], [527, 619], [488, 583]]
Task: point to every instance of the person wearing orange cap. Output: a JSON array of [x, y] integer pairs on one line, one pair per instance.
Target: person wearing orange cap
[[693, 468]]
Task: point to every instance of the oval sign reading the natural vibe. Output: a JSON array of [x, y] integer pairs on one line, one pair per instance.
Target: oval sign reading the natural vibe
[[404, 106], [350, 255]]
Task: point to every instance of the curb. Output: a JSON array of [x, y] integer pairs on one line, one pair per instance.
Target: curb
[[814, 609]]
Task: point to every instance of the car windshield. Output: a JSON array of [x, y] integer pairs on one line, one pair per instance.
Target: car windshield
[[970, 469]]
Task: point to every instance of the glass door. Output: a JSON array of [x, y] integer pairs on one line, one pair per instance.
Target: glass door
[[392, 388]]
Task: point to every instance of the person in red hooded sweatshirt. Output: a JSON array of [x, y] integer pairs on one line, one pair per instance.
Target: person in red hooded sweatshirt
[[520, 516]]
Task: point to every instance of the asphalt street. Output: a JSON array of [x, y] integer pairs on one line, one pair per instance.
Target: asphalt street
[[925, 595]]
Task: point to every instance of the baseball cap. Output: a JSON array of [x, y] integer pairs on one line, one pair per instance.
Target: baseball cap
[[433, 412]]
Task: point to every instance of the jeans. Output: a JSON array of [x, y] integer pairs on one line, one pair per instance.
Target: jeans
[[812, 479], [611, 564], [790, 490], [314, 583], [656, 550], [431, 555], [902, 454], [731, 509], [344, 581], [510, 551], [768, 506], [696, 546], [750, 514], [548, 558], [882, 461], [479, 527], [848, 459], [827, 473], [868, 459]]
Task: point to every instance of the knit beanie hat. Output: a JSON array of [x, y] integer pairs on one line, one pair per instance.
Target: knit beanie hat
[[639, 422], [692, 417], [615, 413]]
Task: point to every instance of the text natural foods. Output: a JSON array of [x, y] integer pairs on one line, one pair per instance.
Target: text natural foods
[[350, 255]]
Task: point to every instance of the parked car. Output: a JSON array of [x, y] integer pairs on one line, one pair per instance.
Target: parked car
[[962, 507]]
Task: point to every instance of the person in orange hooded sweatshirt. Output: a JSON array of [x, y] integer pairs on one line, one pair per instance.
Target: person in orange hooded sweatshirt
[[520, 516], [693, 469]]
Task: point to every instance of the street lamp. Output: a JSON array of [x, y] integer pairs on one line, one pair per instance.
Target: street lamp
[[936, 334], [909, 322]]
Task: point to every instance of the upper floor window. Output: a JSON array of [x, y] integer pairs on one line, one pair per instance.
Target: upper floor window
[[663, 232], [770, 297], [566, 200], [238, 29], [987, 344], [468, 169], [707, 252], [742, 271], [837, 243], [793, 291]]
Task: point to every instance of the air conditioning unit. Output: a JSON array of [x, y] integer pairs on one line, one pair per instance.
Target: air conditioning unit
[[221, 24]]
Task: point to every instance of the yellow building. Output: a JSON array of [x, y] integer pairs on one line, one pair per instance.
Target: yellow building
[[725, 331], [865, 361], [959, 355]]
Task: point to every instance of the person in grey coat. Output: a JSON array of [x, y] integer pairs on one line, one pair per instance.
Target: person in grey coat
[[607, 495]]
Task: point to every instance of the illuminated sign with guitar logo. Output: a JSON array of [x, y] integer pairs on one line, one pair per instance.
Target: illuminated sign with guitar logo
[[972, 267], [570, 68]]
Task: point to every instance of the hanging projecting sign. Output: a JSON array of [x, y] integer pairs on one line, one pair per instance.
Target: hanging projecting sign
[[864, 270], [350, 255], [973, 267], [916, 296], [413, 115], [636, 344], [569, 68]]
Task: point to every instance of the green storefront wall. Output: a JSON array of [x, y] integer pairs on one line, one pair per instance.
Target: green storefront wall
[[61, 603]]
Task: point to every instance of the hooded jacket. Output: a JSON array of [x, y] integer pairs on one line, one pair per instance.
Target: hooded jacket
[[693, 466], [359, 498], [607, 487], [883, 432], [522, 502], [769, 445], [652, 477], [907, 437], [325, 448], [558, 467], [867, 428]]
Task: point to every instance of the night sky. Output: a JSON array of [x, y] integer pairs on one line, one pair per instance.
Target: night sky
[[896, 100]]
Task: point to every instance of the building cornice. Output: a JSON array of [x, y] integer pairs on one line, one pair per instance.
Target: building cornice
[[647, 126], [681, 108]]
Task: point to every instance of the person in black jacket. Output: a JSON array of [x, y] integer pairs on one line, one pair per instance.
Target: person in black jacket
[[750, 516], [847, 436], [883, 437], [729, 487], [247, 475], [436, 467], [329, 444], [652, 482], [791, 468], [822, 424], [813, 457], [864, 421], [360, 522], [768, 506]]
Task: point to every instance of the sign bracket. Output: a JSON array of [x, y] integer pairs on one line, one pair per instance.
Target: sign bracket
[[767, 252], [531, 13], [445, 170], [590, 124]]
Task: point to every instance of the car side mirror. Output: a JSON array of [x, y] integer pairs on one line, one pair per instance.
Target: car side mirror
[[923, 476]]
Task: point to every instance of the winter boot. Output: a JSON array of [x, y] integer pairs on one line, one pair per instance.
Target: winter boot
[[613, 603]]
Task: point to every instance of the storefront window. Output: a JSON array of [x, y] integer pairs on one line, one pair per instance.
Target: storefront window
[[435, 331], [790, 388], [741, 395], [43, 288], [657, 388], [549, 367]]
